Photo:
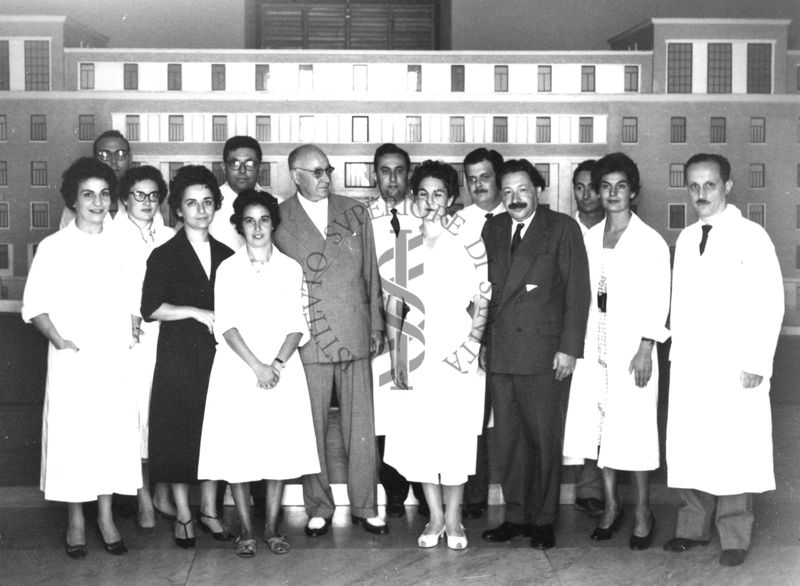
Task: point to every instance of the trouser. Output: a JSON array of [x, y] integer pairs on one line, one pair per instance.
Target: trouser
[[395, 484], [528, 437], [590, 481], [733, 516], [476, 490], [352, 382]]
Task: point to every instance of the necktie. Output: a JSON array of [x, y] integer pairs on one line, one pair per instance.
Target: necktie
[[706, 229], [516, 239], [488, 215], [395, 223]]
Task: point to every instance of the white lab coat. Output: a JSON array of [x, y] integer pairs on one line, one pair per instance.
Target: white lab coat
[[637, 282], [90, 439], [727, 307]]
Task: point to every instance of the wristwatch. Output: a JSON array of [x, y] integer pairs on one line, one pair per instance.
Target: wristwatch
[[280, 362]]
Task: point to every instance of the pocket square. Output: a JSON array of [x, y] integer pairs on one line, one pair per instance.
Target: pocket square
[[530, 287]]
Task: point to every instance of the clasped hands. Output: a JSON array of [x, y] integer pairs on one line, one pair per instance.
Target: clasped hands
[[267, 376]]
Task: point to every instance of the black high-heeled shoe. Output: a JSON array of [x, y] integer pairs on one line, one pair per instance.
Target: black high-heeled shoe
[[185, 542], [223, 535], [76, 552], [640, 543], [606, 533], [115, 547]]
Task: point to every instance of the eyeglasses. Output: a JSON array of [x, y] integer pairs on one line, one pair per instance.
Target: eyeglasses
[[141, 195], [249, 165], [108, 156], [318, 172]]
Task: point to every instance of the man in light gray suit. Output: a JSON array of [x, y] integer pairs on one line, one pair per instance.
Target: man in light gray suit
[[331, 237]]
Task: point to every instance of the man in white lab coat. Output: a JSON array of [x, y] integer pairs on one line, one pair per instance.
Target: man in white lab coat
[[727, 307]]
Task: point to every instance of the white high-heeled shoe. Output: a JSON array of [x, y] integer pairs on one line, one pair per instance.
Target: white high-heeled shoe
[[457, 541], [429, 540]]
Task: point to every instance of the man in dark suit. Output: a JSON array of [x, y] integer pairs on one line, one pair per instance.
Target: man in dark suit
[[331, 237], [537, 316]]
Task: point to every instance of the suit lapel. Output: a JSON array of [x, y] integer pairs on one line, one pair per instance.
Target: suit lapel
[[535, 236], [339, 229], [307, 237]]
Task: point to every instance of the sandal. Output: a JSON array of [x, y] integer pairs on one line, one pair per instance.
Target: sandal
[[245, 548], [223, 535], [277, 544]]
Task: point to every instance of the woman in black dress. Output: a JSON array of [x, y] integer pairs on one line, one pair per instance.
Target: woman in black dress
[[178, 291]]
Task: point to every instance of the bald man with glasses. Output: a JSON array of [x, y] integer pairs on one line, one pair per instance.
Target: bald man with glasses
[[331, 237]]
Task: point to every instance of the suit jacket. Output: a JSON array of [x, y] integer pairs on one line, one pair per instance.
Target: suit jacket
[[540, 300], [343, 306]]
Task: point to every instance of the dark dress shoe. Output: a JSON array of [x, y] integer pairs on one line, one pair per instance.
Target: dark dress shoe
[[395, 510], [115, 547], [606, 533], [506, 532], [590, 506], [641, 543], [542, 537], [369, 527], [732, 557], [475, 510], [681, 544], [76, 552], [318, 531]]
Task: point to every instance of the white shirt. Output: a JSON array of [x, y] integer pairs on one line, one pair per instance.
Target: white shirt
[[525, 224], [317, 211]]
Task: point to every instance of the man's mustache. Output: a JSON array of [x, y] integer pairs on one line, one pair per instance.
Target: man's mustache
[[517, 205]]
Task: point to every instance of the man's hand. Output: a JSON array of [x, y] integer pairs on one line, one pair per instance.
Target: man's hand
[[267, 376], [482, 357], [563, 364], [749, 380], [400, 376], [375, 344]]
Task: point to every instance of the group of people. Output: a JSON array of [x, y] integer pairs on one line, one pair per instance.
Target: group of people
[[423, 326]]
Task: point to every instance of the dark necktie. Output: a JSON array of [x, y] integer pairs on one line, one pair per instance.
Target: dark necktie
[[395, 223], [706, 229], [489, 215], [516, 239]]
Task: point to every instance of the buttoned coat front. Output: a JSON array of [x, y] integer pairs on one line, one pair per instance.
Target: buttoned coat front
[[341, 271], [540, 300]]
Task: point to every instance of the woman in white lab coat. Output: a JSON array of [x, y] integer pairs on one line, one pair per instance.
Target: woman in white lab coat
[[612, 414], [76, 296]]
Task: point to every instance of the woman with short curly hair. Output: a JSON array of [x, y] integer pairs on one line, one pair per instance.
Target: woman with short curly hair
[[76, 297]]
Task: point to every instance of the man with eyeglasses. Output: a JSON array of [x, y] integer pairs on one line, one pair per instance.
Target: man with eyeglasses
[[394, 225], [114, 150], [482, 168], [241, 156], [727, 308], [331, 237]]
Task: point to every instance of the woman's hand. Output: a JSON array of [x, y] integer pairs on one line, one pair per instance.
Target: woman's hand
[[400, 376], [136, 334], [65, 345], [205, 317], [268, 377], [642, 364]]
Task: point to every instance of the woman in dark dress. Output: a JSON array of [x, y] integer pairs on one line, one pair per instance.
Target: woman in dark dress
[[178, 291]]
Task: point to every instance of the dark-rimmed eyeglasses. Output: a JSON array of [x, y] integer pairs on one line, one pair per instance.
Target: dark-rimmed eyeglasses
[[108, 156], [318, 172], [141, 195], [249, 165]]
